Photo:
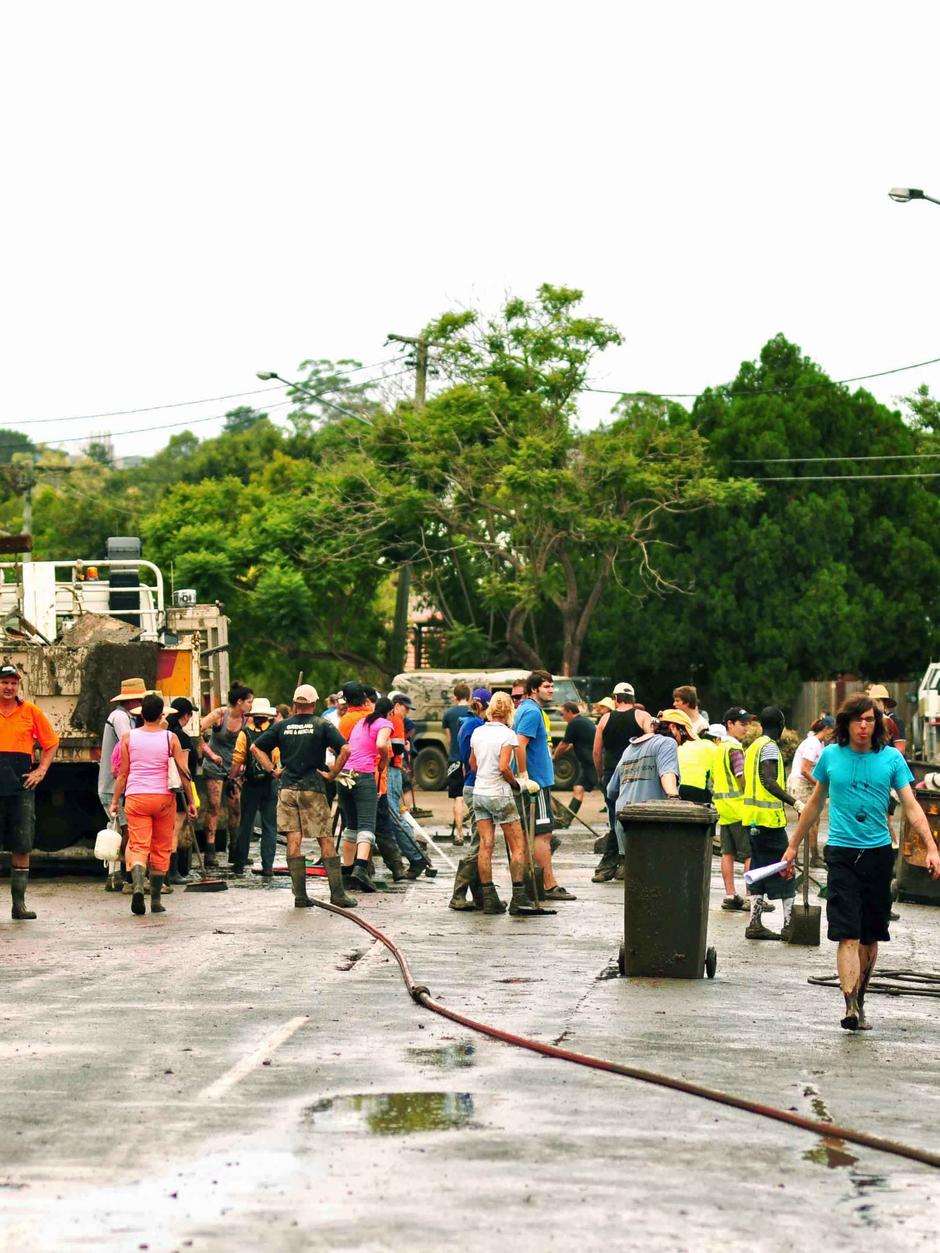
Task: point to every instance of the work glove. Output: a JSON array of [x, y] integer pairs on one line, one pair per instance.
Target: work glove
[[528, 785], [346, 778], [799, 807]]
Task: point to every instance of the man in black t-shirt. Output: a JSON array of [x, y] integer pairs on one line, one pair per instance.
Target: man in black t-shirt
[[302, 806], [614, 732], [579, 738]]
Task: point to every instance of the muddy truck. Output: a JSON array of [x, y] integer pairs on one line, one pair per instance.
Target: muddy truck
[[432, 692], [75, 628]]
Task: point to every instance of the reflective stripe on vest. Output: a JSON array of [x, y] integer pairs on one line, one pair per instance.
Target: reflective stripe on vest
[[727, 796], [696, 761], [760, 807]]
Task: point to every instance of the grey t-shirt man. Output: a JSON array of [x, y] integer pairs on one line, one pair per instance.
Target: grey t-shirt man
[[636, 776], [118, 724]]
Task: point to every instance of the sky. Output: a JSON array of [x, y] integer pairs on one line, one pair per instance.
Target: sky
[[197, 191]]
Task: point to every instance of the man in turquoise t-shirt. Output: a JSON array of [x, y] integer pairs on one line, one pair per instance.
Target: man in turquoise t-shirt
[[857, 772]]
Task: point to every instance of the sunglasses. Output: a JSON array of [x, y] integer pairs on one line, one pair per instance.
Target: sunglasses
[[516, 696]]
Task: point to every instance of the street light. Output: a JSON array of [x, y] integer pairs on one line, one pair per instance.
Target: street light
[[901, 195], [267, 375]]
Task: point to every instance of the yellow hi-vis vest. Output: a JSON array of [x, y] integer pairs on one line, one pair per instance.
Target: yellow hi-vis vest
[[728, 793], [696, 763], [759, 807]]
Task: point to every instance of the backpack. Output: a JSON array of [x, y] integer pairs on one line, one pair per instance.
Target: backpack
[[254, 771]]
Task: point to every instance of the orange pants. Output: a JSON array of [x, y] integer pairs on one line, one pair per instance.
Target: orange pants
[[150, 823]]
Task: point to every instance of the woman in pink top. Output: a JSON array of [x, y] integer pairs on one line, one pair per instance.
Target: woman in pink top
[[369, 743], [150, 805]]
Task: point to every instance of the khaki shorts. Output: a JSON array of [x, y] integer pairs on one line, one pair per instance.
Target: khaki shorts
[[305, 811], [735, 840]]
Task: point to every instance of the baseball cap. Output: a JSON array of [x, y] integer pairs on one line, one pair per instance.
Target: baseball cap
[[9, 672], [482, 694], [624, 689], [401, 698], [737, 714], [306, 694], [182, 705], [354, 693], [716, 731], [681, 718]]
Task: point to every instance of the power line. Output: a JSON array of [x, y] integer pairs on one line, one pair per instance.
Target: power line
[[181, 404], [887, 456], [846, 478], [767, 391]]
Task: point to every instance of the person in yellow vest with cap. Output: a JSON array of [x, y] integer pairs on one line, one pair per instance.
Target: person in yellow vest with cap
[[728, 798], [764, 816]]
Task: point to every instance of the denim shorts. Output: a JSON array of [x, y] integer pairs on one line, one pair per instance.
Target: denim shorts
[[494, 808]]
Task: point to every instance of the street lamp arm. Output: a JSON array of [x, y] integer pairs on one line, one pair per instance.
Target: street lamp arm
[[267, 375], [901, 195]]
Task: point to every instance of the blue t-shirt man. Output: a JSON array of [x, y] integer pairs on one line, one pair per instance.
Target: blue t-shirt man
[[859, 793], [538, 758], [452, 721]]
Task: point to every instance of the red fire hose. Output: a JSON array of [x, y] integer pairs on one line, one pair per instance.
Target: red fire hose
[[830, 1131]]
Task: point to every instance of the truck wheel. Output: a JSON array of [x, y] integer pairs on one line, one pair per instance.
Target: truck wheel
[[567, 772], [430, 769]]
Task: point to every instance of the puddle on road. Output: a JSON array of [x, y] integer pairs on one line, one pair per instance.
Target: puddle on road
[[830, 1151], [448, 1057], [392, 1113]]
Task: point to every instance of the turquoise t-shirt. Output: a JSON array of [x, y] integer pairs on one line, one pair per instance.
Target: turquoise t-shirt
[[859, 793]]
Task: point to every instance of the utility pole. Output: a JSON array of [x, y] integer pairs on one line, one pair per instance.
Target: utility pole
[[421, 345]]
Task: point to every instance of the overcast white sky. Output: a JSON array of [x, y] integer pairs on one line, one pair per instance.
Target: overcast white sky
[[194, 191]]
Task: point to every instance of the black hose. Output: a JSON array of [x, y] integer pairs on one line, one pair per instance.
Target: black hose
[[830, 1131]]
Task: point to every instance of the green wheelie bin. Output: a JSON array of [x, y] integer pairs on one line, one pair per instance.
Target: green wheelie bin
[[667, 871]]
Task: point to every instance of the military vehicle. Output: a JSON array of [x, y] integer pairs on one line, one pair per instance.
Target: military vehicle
[[74, 628], [432, 692]]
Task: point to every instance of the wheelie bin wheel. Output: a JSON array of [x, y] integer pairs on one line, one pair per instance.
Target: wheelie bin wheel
[[711, 962], [622, 961]]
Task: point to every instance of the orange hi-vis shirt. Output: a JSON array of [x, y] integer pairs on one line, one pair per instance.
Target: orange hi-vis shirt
[[24, 726]]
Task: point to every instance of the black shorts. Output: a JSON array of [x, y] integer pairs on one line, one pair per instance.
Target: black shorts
[[767, 848], [18, 821], [588, 778], [455, 780], [858, 902], [544, 818]]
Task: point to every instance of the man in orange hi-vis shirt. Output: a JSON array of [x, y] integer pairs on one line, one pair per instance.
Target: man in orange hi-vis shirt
[[22, 727]]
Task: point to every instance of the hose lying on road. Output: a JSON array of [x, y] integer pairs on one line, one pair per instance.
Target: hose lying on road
[[829, 1131], [890, 983]]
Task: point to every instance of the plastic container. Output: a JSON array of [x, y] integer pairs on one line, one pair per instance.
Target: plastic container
[[667, 873]]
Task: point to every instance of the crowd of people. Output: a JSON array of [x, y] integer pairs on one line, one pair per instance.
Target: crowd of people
[[337, 780]]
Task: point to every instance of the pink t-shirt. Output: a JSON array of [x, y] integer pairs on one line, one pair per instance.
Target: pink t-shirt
[[362, 750], [149, 752]]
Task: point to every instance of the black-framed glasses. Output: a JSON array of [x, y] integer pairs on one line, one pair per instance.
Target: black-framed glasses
[[516, 696]]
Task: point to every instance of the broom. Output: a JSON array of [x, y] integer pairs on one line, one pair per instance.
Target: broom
[[205, 884]]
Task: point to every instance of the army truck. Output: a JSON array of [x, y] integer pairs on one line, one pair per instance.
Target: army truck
[[74, 628], [432, 692]]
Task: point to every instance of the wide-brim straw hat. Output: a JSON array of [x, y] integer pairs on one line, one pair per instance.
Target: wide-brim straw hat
[[132, 689], [681, 718]]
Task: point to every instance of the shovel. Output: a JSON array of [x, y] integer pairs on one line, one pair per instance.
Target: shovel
[[805, 919], [530, 856], [205, 884]]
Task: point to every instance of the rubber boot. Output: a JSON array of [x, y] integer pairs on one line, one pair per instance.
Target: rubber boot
[[173, 874], [156, 887], [520, 904], [209, 857], [298, 877], [137, 884], [476, 887], [18, 881], [491, 902], [462, 879], [334, 876], [391, 855]]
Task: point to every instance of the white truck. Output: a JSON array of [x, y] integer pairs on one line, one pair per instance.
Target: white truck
[[75, 628]]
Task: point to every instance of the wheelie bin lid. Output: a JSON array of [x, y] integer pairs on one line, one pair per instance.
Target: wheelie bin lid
[[669, 811]]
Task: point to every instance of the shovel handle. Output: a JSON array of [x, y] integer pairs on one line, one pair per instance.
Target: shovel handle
[[806, 870]]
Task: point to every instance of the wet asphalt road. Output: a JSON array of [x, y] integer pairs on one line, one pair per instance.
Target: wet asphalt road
[[236, 1073]]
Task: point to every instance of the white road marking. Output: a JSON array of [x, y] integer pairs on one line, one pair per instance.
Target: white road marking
[[253, 1059]]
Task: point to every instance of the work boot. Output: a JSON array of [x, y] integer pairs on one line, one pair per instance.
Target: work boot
[[462, 879], [606, 870], [520, 905], [417, 868], [491, 902], [359, 876], [18, 881], [734, 903], [851, 1020], [476, 887], [298, 877], [173, 874], [138, 874], [619, 872], [156, 887], [755, 930], [334, 876]]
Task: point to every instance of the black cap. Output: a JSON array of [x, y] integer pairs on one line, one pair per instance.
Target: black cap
[[183, 705], [401, 698], [9, 672], [736, 714], [354, 693]]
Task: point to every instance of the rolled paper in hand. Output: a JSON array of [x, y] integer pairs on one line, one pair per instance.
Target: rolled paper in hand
[[763, 872]]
